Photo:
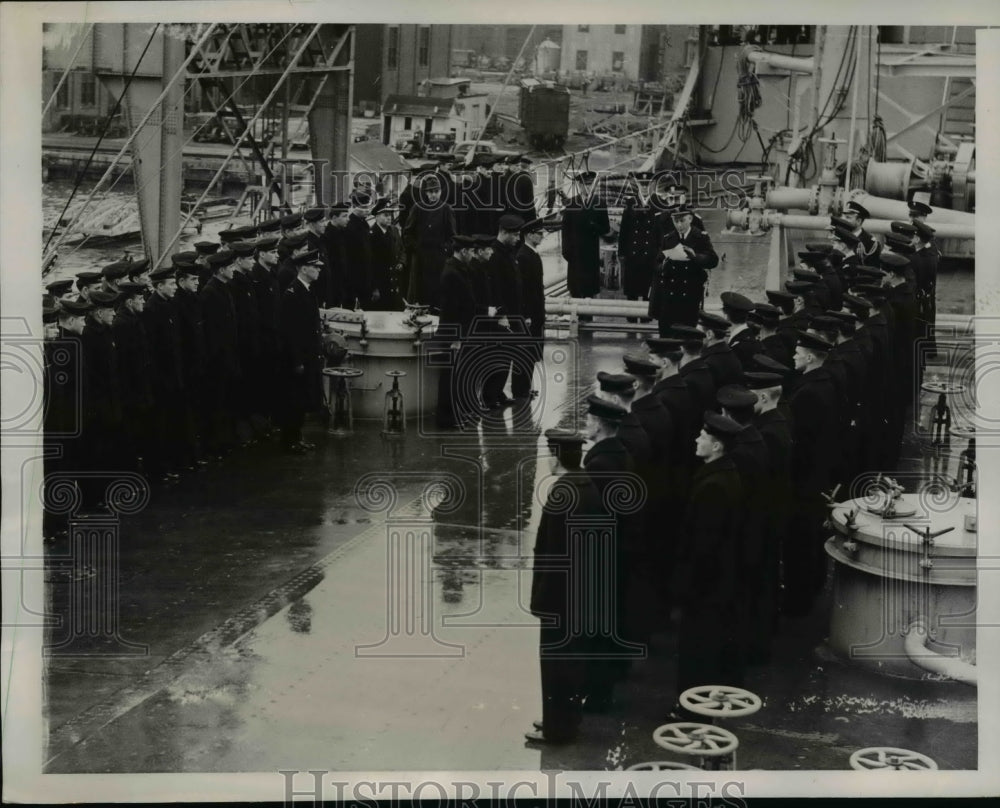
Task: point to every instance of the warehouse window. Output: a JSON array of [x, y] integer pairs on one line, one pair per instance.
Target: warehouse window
[[619, 29], [392, 50], [581, 60], [583, 29], [618, 61], [424, 45], [88, 90]]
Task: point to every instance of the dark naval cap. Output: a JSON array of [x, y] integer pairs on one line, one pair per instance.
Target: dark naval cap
[[736, 301], [291, 221], [87, 279], [119, 269], [221, 259], [778, 296], [237, 234], [383, 204], [856, 302], [131, 288], [893, 261], [810, 275], [856, 207], [769, 364], [721, 426], [75, 308], [511, 222], [819, 246], [813, 341], [920, 209], [269, 225], [872, 291], [845, 236], [242, 249], [904, 228], [735, 397], [463, 242], [925, 230], [799, 288], [899, 244], [761, 380], [615, 382], [602, 408], [640, 365], [104, 300], [266, 244], [206, 247], [294, 241], [663, 346], [162, 274], [839, 223], [314, 214], [183, 259], [687, 333], [58, 288], [713, 321]]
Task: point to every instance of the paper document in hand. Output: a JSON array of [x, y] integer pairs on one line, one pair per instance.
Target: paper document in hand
[[676, 253]]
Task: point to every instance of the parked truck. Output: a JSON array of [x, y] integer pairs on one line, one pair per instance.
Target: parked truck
[[543, 109]]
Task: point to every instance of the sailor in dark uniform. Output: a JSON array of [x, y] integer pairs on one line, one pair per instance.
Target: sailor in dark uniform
[[666, 197], [511, 334], [608, 463], [331, 286], [457, 304], [87, 282], [136, 367], [749, 453], [138, 272], [657, 544], [161, 318], [769, 341], [263, 275], [60, 290], [678, 397], [820, 291], [102, 400], [868, 249], [814, 427], [635, 588], [386, 250], [919, 211], [113, 274], [584, 221], [924, 261], [430, 226], [706, 572], [531, 276], [249, 404], [301, 353], [289, 248], [776, 433], [560, 596], [716, 353], [519, 189], [845, 245], [876, 451], [222, 362], [358, 252], [848, 351], [736, 308], [904, 306], [681, 277], [203, 249], [638, 248], [190, 327], [693, 369]]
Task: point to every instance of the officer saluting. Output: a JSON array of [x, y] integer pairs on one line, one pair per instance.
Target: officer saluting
[[687, 257]]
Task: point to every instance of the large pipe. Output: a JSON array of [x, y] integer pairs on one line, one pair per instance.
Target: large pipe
[[920, 655], [785, 198], [881, 208], [779, 60], [880, 226]]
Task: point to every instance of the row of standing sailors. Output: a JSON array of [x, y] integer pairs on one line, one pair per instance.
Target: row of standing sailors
[[734, 431]]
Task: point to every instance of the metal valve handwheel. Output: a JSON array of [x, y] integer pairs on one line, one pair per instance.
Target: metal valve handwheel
[[889, 758], [689, 738], [720, 701], [660, 766]]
